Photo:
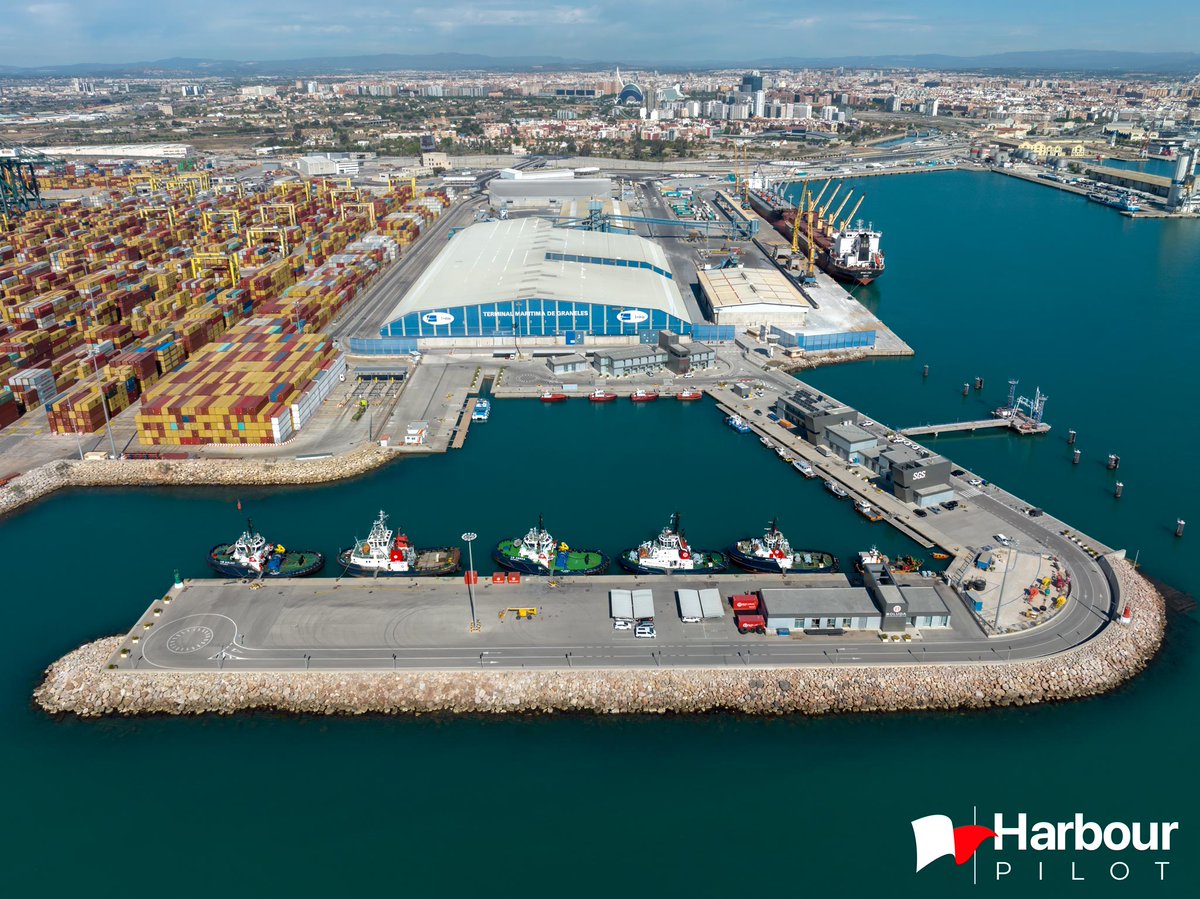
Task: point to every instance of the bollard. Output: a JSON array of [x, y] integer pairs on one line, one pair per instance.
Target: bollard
[[1120, 489], [966, 389], [1075, 459], [1179, 523], [1070, 437], [925, 373]]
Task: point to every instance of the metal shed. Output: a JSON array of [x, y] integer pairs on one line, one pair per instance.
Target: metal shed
[[643, 603], [689, 604], [620, 603], [710, 602]]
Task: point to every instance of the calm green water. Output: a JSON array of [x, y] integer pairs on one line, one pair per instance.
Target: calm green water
[[1095, 308]]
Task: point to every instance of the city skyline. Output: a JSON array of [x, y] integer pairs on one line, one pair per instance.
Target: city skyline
[[663, 31]]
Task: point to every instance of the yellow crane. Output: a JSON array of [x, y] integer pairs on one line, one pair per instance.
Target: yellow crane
[[259, 234], [832, 220], [147, 178], [268, 213], [368, 208], [824, 209], [848, 219], [523, 614], [201, 261], [212, 217], [284, 186], [144, 213]]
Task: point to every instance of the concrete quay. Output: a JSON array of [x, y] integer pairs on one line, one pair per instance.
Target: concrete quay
[[82, 685]]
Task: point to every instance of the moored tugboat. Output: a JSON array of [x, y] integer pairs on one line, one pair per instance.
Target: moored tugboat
[[871, 556], [687, 395], [773, 553], [867, 511], [252, 556], [549, 396], [643, 396], [538, 553], [670, 552], [600, 395], [385, 555]]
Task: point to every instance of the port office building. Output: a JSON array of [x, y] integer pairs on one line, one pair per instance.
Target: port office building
[[525, 278]]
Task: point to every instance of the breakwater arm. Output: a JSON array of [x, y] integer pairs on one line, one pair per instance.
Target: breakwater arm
[[81, 684]]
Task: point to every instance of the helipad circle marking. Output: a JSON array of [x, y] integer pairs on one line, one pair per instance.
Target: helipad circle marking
[[190, 639]]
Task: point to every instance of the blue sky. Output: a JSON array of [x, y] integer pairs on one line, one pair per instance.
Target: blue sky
[[64, 31]]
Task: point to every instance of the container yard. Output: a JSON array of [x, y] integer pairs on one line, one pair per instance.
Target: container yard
[[177, 288]]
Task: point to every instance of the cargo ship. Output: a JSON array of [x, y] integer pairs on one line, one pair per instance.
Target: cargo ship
[[385, 554], [538, 553], [252, 556], [601, 396], [773, 553], [670, 552], [848, 253]]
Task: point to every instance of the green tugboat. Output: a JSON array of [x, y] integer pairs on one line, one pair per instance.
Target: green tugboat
[[252, 556], [538, 553]]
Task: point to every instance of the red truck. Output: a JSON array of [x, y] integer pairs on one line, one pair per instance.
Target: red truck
[[744, 602], [750, 622]]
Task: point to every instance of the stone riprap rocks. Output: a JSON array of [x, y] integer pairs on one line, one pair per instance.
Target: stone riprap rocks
[[41, 481], [80, 683]]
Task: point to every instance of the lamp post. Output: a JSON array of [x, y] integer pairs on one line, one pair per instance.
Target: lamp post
[[1015, 545], [100, 387], [470, 537]]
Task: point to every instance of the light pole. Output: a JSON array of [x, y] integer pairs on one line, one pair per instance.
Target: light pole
[[470, 537]]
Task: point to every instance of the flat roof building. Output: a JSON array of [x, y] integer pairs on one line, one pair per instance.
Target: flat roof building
[[536, 193], [642, 359], [743, 297], [812, 414]]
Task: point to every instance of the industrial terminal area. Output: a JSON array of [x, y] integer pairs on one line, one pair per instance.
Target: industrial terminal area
[[163, 307]]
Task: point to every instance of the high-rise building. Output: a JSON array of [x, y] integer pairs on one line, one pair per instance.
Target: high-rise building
[[758, 103], [752, 82]]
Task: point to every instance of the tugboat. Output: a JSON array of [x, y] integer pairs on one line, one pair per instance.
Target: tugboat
[[482, 410], [599, 395], [907, 564], [867, 511], [836, 489], [551, 397], [871, 556], [687, 395], [385, 555], [538, 553], [670, 552], [772, 553], [252, 556], [643, 396], [738, 424]]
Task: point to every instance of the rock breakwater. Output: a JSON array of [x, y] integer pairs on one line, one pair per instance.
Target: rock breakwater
[[80, 683], [44, 480]]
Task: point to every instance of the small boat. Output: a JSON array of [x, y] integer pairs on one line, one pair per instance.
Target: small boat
[[601, 396], [773, 553], [738, 424], [670, 552], [252, 556], [782, 453], [538, 553], [385, 555], [549, 397], [643, 396], [482, 410], [907, 564], [871, 556], [867, 511], [941, 557], [836, 489], [804, 467], [766, 441], [687, 395]]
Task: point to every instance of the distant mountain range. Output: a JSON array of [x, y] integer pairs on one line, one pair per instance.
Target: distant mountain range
[[1066, 61]]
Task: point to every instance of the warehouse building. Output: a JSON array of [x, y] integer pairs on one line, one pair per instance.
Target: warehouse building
[[525, 278], [915, 477], [750, 297], [516, 189], [635, 360], [880, 605], [848, 441]]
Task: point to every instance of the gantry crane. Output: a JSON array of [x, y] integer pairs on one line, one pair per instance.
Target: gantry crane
[[258, 235], [19, 189], [212, 217], [368, 208], [268, 213], [225, 261]]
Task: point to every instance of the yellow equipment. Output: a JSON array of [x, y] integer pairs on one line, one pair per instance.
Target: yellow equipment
[[259, 235], [284, 186], [833, 218], [523, 614], [368, 208], [221, 216], [268, 213], [144, 178], [848, 219], [216, 260], [144, 213]]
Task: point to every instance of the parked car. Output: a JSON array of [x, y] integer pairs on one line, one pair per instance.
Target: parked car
[[644, 630], [976, 482], [772, 416], [920, 513], [957, 472], [950, 505], [622, 624]]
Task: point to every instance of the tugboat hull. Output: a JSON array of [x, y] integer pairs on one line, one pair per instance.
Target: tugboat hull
[[450, 566], [709, 563], [772, 566], [295, 564], [528, 566]]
